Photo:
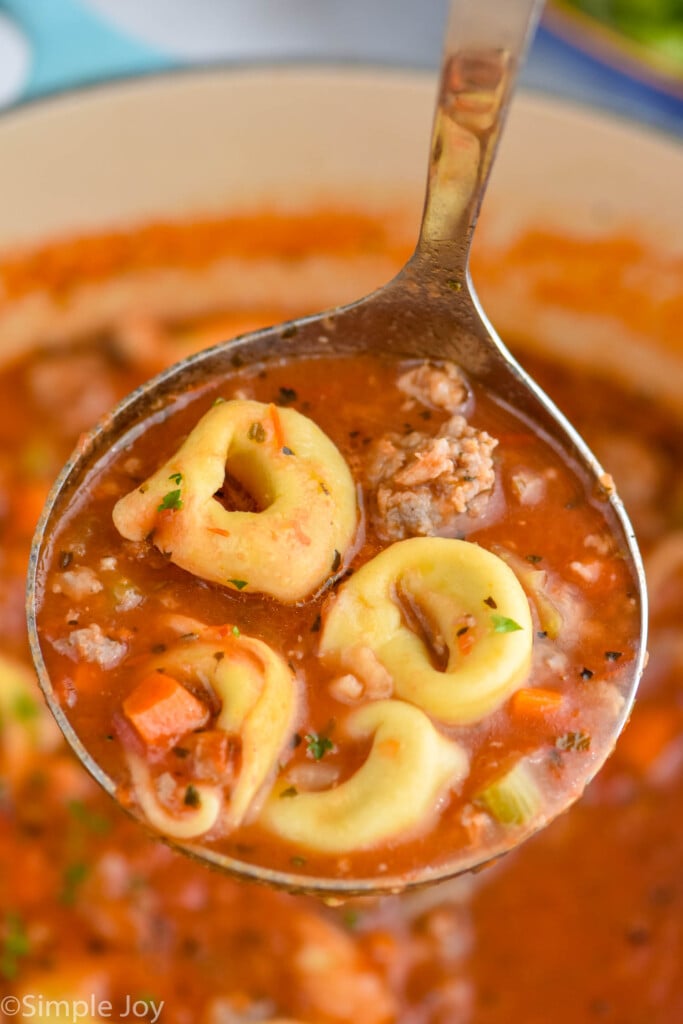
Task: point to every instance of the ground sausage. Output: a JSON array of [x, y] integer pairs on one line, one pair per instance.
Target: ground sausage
[[420, 483], [440, 387]]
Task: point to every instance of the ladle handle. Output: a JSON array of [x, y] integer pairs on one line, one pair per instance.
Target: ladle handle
[[486, 41]]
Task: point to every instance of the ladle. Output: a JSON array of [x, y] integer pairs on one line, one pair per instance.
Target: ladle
[[429, 311]]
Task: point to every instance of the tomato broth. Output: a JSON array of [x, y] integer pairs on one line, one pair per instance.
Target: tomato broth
[[542, 737]]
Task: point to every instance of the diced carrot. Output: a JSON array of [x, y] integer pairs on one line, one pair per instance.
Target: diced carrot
[[647, 734], [278, 432], [465, 641], [161, 709], [535, 701]]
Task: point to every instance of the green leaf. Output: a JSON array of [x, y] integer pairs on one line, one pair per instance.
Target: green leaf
[[171, 501], [317, 745], [502, 624], [239, 584]]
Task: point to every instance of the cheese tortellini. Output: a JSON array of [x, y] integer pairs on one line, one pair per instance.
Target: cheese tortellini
[[296, 475], [260, 701], [468, 606], [396, 793]]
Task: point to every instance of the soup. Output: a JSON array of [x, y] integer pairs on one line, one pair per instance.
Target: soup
[[403, 709], [584, 922]]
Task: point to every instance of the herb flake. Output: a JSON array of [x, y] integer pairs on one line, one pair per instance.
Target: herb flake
[[317, 745], [171, 502], [573, 741], [13, 947], [192, 797], [238, 584], [503, 624], [257, 432]]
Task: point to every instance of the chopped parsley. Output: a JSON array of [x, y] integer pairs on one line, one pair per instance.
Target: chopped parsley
[[290, 791], [74, 876], [297, 861], [502, 624], [257, 432], [318, 746], [238, 584], [236, 631], [171, 502], [93, 821], [13, 946], [177, 478], [192, 797]]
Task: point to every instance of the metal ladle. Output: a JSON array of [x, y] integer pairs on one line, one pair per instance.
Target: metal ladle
[[429, 311]]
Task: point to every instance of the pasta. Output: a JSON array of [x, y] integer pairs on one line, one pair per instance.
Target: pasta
[[462, 591], [306, 497], [396, 793]]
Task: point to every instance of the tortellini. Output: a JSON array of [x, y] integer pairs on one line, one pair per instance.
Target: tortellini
[[469, 604], [296, 475], [395, 794], [260, 702], [191, 823]]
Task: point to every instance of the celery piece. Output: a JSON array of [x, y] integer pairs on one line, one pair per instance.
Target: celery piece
[[514, 798]]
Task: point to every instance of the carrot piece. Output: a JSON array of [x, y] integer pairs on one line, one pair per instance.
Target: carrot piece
[[535, 701], [465, 641], [278, 432], [161, 709]]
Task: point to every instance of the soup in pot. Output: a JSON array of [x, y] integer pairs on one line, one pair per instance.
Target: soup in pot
[[584, 922]]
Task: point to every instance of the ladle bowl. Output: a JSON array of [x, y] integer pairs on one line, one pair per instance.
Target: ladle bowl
[[429, 311]]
